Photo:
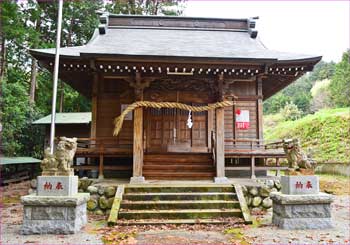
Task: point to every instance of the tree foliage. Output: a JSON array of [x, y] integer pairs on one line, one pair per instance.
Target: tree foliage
[[299, 92], [340, 82]]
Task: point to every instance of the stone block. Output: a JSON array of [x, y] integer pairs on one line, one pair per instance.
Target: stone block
[[321, 197], [302, 223], [221, 180], [302, 211], [57, 185], [137, 180], [300, 185], [54, 215]]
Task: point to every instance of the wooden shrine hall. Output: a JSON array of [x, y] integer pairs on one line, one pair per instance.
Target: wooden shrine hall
[[178, 64]]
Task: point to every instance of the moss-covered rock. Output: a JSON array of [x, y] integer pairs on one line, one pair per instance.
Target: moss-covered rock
[[264, 191], [267, 202], [109, 191], [92, 204], [103, 202], [249, 200], [253, 191], [278, 184], [85, 183], [92, 189], [33, 183], [99, 212], [256, 201], [100, 190]]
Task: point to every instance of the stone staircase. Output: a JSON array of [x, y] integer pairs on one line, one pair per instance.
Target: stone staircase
[[178, 204]]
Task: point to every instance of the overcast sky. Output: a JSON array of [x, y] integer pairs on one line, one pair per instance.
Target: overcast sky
[[308, 27]]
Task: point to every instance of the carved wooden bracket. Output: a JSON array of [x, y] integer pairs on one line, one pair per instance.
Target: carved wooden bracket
[[139, 84]]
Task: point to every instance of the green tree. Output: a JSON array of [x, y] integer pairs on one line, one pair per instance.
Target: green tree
[[340, 82], [146, 7]]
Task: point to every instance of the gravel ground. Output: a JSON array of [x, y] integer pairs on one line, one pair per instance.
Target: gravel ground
[[340, 234], [12, 211]]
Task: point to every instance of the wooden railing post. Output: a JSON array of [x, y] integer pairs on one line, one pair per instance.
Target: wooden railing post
[[252, 168], [100, 169]]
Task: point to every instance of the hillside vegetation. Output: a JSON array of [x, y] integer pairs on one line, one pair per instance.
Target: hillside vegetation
[[324, 135]]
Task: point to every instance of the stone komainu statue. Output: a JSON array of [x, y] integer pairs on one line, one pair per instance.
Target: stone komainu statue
[[297, 159], [60, 162]]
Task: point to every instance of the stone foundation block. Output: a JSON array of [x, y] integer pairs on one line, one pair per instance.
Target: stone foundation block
[[54, 215], [302, 211]]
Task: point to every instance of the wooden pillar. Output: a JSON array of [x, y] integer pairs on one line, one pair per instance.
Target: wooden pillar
[[210, 128], [138, 142], [252, 167], [220, 137], [220, 143], [138, 133], [94, 103], [260, 109]]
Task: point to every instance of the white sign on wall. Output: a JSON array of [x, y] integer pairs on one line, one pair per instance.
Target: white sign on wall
[[129, 115], [242, 119]]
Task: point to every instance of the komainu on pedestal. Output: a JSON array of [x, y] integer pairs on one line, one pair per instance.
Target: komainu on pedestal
[[57, 207]]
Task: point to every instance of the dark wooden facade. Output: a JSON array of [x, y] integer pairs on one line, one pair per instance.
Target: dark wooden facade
[[158, 140]]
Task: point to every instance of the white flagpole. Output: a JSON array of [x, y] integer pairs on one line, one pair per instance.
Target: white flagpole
[[55, 76]]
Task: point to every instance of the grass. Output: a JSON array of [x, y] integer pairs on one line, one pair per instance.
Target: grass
[[334, 184], [324, 135]]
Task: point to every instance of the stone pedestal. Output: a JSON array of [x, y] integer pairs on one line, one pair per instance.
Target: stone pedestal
[[54, 214], [303, 211]]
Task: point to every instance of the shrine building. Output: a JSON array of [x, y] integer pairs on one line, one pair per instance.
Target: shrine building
[[192, 62]]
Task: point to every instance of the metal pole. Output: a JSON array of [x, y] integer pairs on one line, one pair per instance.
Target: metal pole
[[55, 75]]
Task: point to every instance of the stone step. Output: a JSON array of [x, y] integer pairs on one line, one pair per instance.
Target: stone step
[[179, 213], [159, 188], [220, 221], [179, 196], [179, 204]]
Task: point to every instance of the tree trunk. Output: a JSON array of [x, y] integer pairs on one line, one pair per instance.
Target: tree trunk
[[61, 97], [34, 69], [33, 81], [2, 54]]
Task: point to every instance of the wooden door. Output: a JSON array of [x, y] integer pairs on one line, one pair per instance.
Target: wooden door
[[167, 131]]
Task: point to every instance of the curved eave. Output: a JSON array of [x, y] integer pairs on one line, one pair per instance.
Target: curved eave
[[85, 56]]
